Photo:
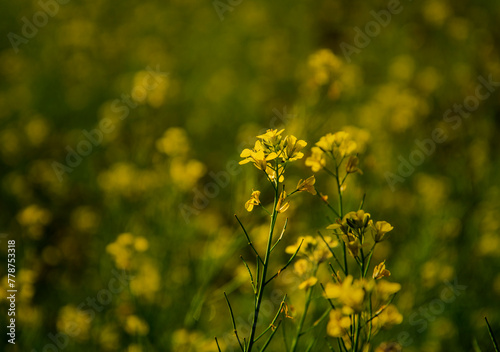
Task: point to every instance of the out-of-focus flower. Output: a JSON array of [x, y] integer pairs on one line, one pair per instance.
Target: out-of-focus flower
[[338, 324], [301, 266], [385, 289], [136, 326], [388, 316], [389, 347], [308, 283], [317, 159], [350, 292], [339, 144], [254, 200], [314, 249], [352, 165], [74, 322], [174, 142]]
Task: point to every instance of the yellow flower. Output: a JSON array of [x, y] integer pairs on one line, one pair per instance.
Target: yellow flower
[[282, 206], [317, 160], [380, 229], [339, 144], [272, 174], [136, 326], [272, 137], [307, 185], [385, 289], [352, 165], [308, 244], [308, 283], [301, 266], [351, 293], [258, 156], [352, 243], [389, 315], [293, 148], [380, 271], [254, 200], [357, 219], [338, 324]]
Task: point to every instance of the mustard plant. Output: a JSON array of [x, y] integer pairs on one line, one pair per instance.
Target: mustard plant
[[358, 305], [361, 304]]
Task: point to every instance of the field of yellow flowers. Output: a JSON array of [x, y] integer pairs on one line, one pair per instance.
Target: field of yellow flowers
[[246, 175]]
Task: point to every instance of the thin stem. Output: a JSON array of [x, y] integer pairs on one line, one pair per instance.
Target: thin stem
[[249, 273], [357, 331], [341, 213], [317, 322], [248, 238], [287, 264], [234, 323], [303, 317], [331, 251], [270, 337], [217, 342], [281, 236], [491, 335], [261, 286], [318, 193], [274, 320]]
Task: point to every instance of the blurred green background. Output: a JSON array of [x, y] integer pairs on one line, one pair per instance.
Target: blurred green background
[[117, 118]]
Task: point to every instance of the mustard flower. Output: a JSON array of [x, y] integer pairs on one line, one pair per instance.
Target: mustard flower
[[271, 137], [293, 148], [317, 160], [352, 165], [357, 219], [254, 200], [282, 205], [338, 324], [259, 158], [385, 289], [380, 229], [350, 292], [310, 282], [339, 144], [307, 185], [380, 271]]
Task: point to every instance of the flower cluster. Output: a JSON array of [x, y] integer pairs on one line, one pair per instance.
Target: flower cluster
[[272, 152], [355, 225], [336, 145]]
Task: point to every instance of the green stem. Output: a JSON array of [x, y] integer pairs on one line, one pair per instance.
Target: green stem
[[261, 286], [341, 213], [303, 317], [357, 331]]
